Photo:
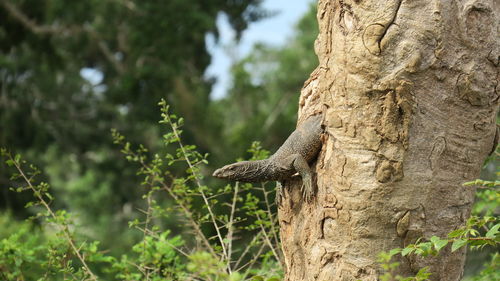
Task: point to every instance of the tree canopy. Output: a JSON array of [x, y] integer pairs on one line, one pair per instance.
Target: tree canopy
[[70, 72]]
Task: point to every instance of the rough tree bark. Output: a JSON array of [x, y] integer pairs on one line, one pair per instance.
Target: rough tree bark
[[409, 91]]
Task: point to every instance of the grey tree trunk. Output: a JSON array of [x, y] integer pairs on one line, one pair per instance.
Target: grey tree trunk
[[410, 94]]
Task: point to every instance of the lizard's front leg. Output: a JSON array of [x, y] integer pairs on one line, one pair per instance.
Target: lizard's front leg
[[300, 165]]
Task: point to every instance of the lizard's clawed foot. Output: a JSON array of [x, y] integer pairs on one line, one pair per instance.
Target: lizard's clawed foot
[[307, 188]]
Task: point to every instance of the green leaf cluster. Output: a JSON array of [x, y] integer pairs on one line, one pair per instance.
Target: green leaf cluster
[[208, 251], [72, 70], [481, 230]]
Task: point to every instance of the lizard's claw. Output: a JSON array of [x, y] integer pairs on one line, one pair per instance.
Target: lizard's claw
[[307, 188]]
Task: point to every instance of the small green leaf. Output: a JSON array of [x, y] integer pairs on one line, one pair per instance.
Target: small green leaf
[[394, 252], [493, 231], [457, 244], [456, 233], [407, 251], [423, 274], [438, 243]]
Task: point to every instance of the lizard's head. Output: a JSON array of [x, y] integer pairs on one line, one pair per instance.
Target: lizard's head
[[228, 172], [244, 171]]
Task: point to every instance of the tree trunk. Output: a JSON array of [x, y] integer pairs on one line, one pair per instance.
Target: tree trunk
[[409, 92]]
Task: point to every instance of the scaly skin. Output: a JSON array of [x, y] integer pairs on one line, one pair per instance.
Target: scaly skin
[[294, 156]]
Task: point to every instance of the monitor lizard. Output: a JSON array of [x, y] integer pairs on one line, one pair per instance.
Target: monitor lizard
[[294, 156]]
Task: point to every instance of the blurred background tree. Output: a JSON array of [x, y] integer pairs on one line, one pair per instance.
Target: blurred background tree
[[262, 102], [71, 71]]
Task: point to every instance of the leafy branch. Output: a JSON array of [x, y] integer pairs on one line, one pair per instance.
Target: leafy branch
[[156, 177], [158, 255], [40, 191], [477, 233]]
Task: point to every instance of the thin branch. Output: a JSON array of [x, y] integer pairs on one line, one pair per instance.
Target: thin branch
[[151, 233], [253, 260], [105, 49], [230, 228], [187, 213], [191, 167], [266, 238], [65, 30], [63, 227], [148, 217], [30, 24], [481, 238], [272, 218], [247, 249]]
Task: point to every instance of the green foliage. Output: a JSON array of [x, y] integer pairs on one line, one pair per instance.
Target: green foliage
[[491, 271], [58, 251], [136, 53], [20, 250], [488, 196], [64, 254], [390, 268], [156, 258], [481, 230], [207, 267], [146, 50]]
